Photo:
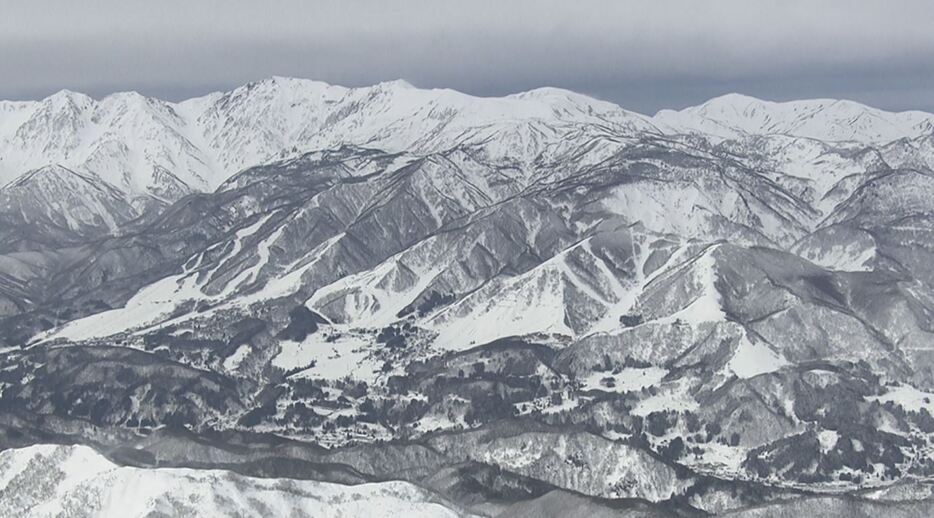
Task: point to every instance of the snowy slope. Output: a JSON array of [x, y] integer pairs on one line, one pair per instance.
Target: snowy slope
[[50, 480]]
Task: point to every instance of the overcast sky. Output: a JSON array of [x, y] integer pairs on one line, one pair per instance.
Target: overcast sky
[[644, 55]]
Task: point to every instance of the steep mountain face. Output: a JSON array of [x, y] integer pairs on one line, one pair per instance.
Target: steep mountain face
[[509, 302], [52, 205]]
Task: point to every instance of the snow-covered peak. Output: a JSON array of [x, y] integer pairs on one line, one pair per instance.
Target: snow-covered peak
[[552, 94], [51, 172], [401, 84], [64, 98], [561, 103], [57, 176], [280, 89]]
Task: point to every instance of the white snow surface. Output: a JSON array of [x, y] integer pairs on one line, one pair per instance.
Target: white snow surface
[[909, 398], [626, 380], [336, 353], [234, 360], [673, 396], [849, 257], [753, 358]]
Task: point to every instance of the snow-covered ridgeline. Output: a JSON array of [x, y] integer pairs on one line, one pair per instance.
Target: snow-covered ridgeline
[[128, 139], [51, 480]]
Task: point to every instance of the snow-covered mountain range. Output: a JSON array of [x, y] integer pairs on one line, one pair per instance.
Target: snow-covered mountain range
[[834, 120], [515, 304], [148, 147]]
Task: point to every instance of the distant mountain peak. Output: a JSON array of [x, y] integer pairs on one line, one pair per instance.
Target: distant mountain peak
[[65, 95], [401, 84], [736, 115]]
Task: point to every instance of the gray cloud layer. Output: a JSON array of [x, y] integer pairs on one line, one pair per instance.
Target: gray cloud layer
[[644, 55]]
